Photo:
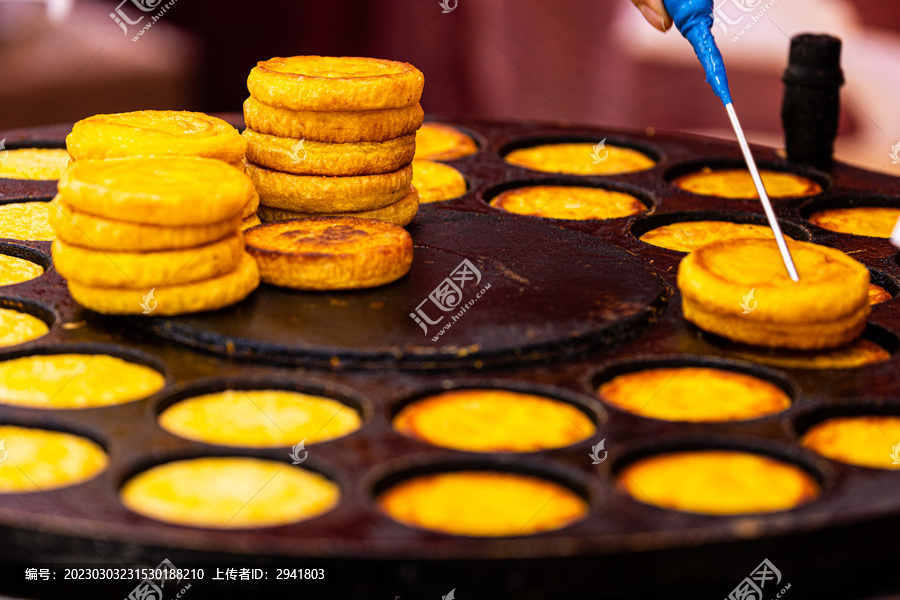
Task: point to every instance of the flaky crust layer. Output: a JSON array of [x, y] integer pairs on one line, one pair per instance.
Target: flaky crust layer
[[400, 213], [327, 83], [333, 127]]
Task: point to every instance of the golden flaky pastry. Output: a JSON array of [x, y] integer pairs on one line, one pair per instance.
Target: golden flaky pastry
[[81, 229], [483, 504], [437, 141], [718, 482], [33, 163], [400, 213], [259, 418], [320, 194], [862, 441], [687, 236], [209, 294], [26, 221], [330, 253], [69, 381], [580, 159], [157, 190], [878, 294], [251, 207], [437, 182], [38, 460], [251, 221], [333, 127], [489, 420], [694, 394], [327, 83], [229, 493], [306, 157], [568, 202], [155, 133], [737, 183], [145, 270], [827, 308], [871, 221]]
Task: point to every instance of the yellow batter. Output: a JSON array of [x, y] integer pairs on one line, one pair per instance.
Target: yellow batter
[[26, 221], [229, 493], [687, 236], [33, 163], [871, 441], [63, 381], [16, 270], [567, 202], [581, 159], [259, 418], [483, 503], [37, 460], [18, 327], [694, 394], [871, 221], [486, 420], [737, 183], [718, 482]]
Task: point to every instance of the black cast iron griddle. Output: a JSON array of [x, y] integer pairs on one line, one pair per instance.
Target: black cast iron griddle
[[529, 292], [574, 327]]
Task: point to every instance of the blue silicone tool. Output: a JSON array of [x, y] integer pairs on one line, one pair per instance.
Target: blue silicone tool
[[694, 19]]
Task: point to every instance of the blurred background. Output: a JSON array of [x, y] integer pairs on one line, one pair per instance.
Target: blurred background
[[586, 61]]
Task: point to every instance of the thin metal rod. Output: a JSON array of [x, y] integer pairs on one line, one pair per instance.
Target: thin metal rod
[[763, 196]]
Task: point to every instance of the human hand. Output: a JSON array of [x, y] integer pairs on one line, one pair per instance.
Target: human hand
[[655, 13]]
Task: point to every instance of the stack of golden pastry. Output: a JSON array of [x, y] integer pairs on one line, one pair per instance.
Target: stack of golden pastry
[[161, 133], [330, 136], [156, 235]]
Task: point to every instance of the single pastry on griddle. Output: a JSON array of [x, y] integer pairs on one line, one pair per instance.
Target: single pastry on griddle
[[695, 394], [482, 504], [436, 141], [737, 183], [740, 290], [330, 253], [490, 420], [871, 221], [687, 236], [871, 441], [229, 493], [436, 181], [718, 482], [39, 164], [155, 133], [568, 202], [259, 418], [38, 460], [581, 159]]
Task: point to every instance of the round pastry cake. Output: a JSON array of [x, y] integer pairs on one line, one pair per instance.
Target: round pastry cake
[[37, 460], [580, 159], [485, 420], [871, 441], [688, 236], [33, 163], [871, 221], [737, 183], [564, 202]]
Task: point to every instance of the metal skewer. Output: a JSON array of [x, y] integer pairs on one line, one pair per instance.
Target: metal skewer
[[763, 196]]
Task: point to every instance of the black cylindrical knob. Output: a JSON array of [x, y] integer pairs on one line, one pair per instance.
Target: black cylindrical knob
[[812, 100]]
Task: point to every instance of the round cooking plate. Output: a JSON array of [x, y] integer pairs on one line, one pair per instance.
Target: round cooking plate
[[483, 289]]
